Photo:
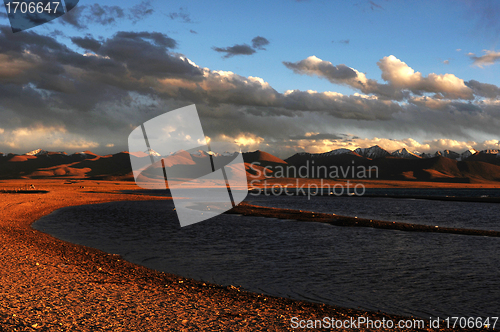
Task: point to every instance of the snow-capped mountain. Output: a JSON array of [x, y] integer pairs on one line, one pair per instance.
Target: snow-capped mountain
[[426, 155], [227, 154], [202, 153], [37, 152], [153, 153], [372, 152], [466, 154], [326, 154], [489, 151], [448, 154], [404, 153]]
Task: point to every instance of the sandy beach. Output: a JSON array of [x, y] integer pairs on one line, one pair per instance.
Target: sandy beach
[[52, 285]]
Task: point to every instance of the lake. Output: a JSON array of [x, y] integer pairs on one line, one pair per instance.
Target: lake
[[407, 273]]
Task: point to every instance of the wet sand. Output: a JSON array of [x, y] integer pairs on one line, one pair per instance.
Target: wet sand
[[51, 285]]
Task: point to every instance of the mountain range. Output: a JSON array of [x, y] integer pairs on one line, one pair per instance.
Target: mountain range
[[445, 166]]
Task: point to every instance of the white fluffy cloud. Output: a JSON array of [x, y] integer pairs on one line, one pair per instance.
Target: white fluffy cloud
[[401, 79], [402, 76]]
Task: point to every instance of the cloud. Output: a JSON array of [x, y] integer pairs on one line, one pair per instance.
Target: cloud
[[244, 139], [95, 14], [181, 15], [76, 17], [446, 62], [194, 32], [316, 136], [87, 43], [140, 11], [51, 137], [258, 43], [485, 60], [241, 49], [342, 74], [104, 15], [315, 66], [401, 78], [484, 89], [100, 96]]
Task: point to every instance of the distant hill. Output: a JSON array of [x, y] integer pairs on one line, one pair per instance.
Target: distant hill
[[264, 158], [77, 165], [377, 162]]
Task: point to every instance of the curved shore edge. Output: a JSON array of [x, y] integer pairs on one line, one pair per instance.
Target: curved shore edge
[[52, 285], [300, 215]]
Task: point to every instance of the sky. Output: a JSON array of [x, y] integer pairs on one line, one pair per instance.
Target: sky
[[281, 76]]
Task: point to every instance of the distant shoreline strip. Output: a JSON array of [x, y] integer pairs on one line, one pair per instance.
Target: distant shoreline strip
[[300, 215]]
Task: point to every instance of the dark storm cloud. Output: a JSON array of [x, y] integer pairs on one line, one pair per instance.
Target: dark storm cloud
[[259, 42], [110, 75], [242, 49], [30, 40], [87, 43], [146, 54]]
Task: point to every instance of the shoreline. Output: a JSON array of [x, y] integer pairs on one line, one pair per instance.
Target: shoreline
[[53, 285]]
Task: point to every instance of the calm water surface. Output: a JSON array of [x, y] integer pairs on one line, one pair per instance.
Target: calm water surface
[[407, 273], [472, 215]]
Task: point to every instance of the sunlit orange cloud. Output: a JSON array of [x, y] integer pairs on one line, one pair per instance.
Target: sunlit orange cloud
[[244, 140], [46, 137]]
